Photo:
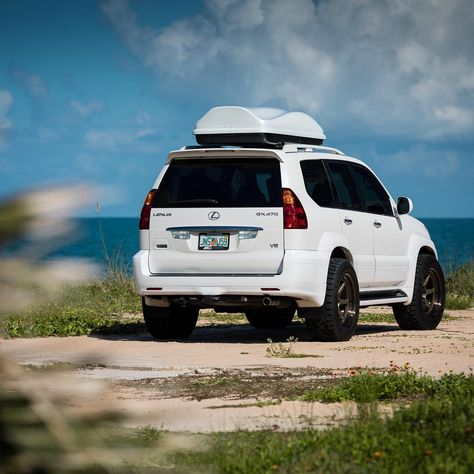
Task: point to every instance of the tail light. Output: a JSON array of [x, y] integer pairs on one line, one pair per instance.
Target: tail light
[[294, 216], [146, 210]]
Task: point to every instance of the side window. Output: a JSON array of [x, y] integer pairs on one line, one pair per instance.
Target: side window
[[345, 186], [317, 183], [375, 197]]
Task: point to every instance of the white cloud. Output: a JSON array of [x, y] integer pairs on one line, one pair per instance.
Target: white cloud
[[85, 109], [48, 135], [6, 101], [419, 160], [142, 117], [105, 140], [386, 67], [122, 139], [33, 84]]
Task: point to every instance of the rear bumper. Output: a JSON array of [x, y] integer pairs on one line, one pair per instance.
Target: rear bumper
[[303, 278]]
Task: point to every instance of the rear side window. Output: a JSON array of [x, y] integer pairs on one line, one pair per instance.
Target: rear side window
[[240, 182], [345, 186], [317, 183], [375, 197]]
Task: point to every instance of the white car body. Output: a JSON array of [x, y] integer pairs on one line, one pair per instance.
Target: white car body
[[276, 262]]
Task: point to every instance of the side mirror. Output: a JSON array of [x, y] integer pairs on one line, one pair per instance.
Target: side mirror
[[404, 205]]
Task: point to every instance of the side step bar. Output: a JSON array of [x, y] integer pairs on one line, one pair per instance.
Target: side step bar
[[370, 298]]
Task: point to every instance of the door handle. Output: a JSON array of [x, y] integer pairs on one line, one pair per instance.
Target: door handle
[[347, 221], [377, 224]]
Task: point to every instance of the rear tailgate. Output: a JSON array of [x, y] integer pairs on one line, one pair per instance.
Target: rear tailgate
[[218, 216]]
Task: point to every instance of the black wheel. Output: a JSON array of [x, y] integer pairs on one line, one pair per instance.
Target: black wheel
[[270, 318], [174, 322], [337, 319], [426, 308]]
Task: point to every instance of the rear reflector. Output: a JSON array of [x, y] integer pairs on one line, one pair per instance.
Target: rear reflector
[[294, 216], [154, 289], [270, 289], [146, 210]]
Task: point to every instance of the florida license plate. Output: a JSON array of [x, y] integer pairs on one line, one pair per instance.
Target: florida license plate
[[213, 241]]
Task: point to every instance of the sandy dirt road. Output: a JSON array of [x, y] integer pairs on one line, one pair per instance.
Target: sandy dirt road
[[222, 379]]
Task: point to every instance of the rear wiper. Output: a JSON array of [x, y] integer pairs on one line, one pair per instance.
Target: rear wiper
[[196, 201]]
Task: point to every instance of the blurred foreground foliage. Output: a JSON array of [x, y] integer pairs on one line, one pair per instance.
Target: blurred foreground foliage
[[39, 432]]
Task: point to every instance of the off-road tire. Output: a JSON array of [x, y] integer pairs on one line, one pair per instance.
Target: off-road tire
[[327, 323], [426, 308], [174, 322], [270, 318]]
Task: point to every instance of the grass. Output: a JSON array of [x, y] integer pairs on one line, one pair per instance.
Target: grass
[[99, 307], [434, 435], [460, 287], [376, 318], [369, 386], [213, 319]]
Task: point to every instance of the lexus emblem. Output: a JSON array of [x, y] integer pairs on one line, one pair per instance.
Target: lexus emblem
[[214, 215]]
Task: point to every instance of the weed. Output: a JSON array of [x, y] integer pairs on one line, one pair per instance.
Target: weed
[[279, 349]]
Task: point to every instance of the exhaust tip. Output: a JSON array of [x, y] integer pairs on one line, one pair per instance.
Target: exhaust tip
[[266, 301]]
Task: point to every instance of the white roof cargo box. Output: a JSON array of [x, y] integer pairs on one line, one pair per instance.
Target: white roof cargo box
[[257, 127]]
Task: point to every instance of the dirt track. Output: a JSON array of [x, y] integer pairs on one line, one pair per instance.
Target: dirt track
[[172, 384]]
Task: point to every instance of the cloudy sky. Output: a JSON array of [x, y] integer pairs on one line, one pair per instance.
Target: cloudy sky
[[99, 92]]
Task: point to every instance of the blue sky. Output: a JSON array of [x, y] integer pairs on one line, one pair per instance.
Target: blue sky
[[99, 92]]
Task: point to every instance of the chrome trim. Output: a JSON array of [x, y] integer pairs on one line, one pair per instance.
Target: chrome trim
[[210, 228]]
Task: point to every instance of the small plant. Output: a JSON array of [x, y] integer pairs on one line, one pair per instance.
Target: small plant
[[279, 349]]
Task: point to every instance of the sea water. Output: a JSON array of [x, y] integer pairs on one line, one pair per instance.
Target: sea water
[[97, 239]]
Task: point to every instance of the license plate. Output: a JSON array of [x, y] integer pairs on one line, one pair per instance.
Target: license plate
[[213, 241]]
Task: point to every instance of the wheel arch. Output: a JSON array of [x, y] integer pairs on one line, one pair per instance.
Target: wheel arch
[[342, 252], [425, 250], [419, 245]]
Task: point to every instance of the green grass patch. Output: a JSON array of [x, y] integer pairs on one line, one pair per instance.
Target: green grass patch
[[211, 318], [434, 435], [460, 287], [458, 302], [101, 307], [370, 386], [376, 318]]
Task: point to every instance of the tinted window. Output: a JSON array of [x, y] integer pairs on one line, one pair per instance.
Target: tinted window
[[345, 186], [242, 182], [317, 182], [374, 195]]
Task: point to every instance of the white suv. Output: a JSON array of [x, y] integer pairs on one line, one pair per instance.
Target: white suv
[[262, 219]]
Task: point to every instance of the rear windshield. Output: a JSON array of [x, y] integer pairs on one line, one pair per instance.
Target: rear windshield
[[242, 182]]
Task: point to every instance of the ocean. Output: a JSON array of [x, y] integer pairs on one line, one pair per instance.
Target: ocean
[[454, 239]]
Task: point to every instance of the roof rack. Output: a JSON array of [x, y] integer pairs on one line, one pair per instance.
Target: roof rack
[[292, 148], [288, 148]]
